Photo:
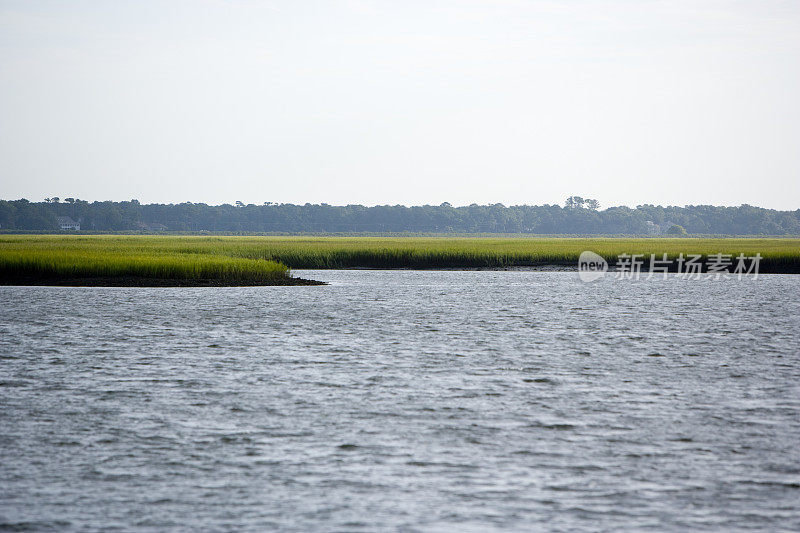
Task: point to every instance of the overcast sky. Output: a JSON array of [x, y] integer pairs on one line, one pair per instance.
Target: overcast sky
[[402, 102]]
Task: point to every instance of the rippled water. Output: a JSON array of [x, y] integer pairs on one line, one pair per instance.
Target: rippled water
[[403, 400]]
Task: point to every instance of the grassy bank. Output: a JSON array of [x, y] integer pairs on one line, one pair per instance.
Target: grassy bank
[[239, 259], [64, 260]]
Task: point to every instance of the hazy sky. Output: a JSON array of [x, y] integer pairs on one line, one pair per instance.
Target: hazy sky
[[402, 102]]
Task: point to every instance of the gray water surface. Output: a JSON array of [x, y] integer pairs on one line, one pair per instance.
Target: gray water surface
[[402, 400]]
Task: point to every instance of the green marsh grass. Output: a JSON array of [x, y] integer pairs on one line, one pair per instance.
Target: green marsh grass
[[241, 258], [97, 258]]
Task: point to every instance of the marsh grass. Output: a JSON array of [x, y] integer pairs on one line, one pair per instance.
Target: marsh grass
[[65, 258], [263, 258]]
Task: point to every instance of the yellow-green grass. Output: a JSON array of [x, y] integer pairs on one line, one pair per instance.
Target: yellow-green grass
[[62, 258], [244, 257]]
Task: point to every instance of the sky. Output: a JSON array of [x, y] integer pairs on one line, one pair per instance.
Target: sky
[[402, 102]]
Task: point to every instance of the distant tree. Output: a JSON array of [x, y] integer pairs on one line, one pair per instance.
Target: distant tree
[[69, 200], [574, 202], [239, 204], [55, 199], [592, 204], [676, 229]]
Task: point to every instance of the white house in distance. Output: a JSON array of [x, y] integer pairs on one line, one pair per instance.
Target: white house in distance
[[66, 223]]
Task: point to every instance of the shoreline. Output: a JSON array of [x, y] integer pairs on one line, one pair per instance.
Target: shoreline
[[548, 267], [142, 282], [135, 281]]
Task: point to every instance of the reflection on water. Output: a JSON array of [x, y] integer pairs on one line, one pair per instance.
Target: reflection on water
[[403, 400]]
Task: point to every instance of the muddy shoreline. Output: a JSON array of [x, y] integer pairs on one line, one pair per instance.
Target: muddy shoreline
[[131, 281]]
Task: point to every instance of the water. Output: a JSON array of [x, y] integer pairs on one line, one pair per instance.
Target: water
[[433, 401]]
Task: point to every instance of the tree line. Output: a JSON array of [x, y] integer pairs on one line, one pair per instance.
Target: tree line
[[577, 216]]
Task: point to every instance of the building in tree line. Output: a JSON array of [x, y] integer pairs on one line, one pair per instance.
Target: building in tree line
[[66, 223]]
